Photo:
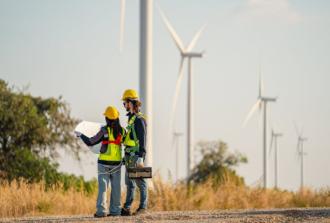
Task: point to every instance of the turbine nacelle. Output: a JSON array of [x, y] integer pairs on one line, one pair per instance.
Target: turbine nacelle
[[178, 134], [192, 54], [267, 99], [278, 134]]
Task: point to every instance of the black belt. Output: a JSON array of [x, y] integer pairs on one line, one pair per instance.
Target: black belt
[[106, 162]]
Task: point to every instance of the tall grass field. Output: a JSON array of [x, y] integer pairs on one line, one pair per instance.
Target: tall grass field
[[19, 198]]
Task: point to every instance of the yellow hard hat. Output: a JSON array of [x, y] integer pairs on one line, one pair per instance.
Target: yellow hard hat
[[130, 94], [111, 113]]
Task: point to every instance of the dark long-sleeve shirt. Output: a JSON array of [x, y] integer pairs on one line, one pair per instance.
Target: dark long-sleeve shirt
[[140, 126], [95, 139]]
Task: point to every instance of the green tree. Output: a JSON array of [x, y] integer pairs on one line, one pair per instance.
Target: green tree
[[31, 130], [217, 163]]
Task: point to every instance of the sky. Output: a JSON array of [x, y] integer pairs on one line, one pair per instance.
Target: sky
[[71, 48]]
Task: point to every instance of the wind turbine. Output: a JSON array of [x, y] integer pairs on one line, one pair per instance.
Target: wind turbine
[[301, 154], [186, 53], [275, 136], [176, 146], [262, 102]]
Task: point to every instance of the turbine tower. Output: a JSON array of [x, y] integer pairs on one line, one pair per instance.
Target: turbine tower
[[262, 102], [186, 53], [301, 154], [176, 146], [274, 139], [146, 16], [122, 25]]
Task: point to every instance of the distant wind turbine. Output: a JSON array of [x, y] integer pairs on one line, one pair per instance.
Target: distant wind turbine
[[186, 52], [262, 102], [273, 141], [301, 153]]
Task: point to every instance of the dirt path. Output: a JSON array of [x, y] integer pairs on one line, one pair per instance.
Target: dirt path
[[319, 215]]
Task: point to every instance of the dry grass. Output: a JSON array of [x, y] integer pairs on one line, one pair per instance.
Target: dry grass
[[22, 199], [230, 196]]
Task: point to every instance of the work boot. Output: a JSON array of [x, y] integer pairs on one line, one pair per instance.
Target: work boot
[[140, 211], [113, 215], [100, 215], [126, 212]]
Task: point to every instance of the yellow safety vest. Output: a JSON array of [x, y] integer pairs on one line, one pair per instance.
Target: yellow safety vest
[[113, 152], [128, 141]]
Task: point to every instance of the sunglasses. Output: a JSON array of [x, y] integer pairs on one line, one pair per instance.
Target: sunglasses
[[125, 102]]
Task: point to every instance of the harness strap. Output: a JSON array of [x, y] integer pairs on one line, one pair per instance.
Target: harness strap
[[131, 127]]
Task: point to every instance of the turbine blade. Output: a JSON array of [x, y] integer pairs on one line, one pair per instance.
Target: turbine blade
[[195, 39], [172, 31], [302, 131], [271, 144], [261, 84], [253, 109], [176, 93], [122, 24], [296, 128]]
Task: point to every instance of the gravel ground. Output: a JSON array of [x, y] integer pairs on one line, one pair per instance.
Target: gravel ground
[[301, 215]]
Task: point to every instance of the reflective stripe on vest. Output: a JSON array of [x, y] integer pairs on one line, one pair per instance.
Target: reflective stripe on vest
[[116, 142], [113, 152]]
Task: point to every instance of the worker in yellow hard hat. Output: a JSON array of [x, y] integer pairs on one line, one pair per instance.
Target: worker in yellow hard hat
[[109, 162], [135, 151]]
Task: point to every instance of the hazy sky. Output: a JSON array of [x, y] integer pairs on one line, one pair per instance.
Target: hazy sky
[[71, 48]]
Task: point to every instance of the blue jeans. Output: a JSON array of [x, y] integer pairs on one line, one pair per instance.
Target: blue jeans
[[143, 187], [103, 182]]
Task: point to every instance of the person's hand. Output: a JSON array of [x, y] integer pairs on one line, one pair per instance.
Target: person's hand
[[78, 134], [139, 162]]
